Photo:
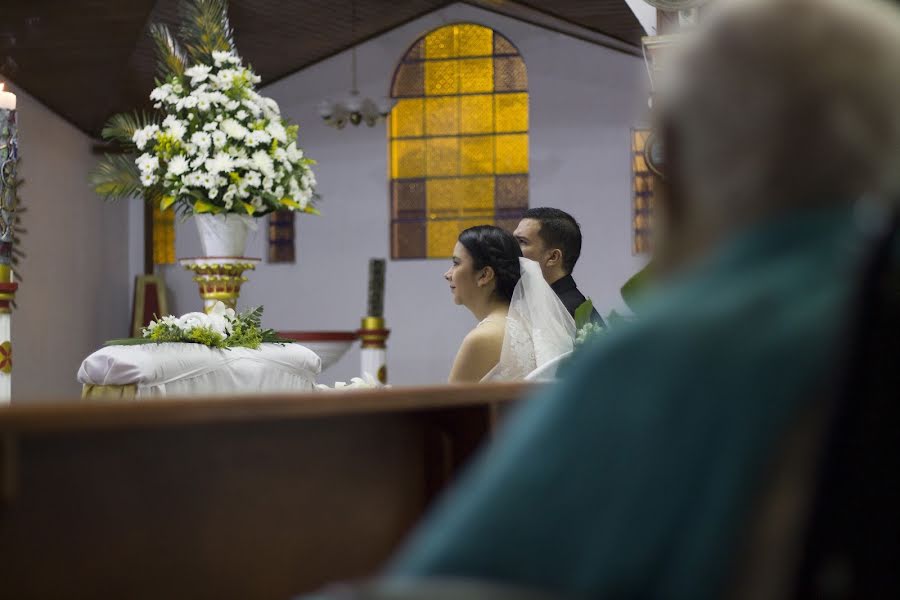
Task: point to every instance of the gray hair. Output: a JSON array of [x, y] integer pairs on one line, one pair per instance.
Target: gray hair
[[778, 104]]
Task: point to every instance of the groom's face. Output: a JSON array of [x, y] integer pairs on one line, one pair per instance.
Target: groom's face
[[533, 247]]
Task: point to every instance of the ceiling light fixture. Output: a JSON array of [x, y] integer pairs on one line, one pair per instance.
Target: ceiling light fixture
[[354, 109]]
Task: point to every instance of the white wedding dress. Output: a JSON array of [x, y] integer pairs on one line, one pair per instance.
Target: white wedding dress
[[539, 330]]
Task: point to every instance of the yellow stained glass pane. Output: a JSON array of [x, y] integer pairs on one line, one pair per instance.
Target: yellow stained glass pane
[[442, 196], [476, 114], [442, 156], [475, 40], [637, 140], [638, 164], [442, 116], [407, 118], [407, 158], [476, 155], [476, 75], [163, 236], [477, 196], [440, 43], [511, 112], [442, 237], [441, 77], [512, 153]]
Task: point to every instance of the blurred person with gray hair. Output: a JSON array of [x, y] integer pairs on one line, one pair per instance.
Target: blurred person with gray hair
[[641, 474]]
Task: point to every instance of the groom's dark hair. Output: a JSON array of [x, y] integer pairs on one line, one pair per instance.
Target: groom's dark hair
[[558, 230]]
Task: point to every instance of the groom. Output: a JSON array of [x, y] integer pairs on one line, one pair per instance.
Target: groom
[[552, 238]]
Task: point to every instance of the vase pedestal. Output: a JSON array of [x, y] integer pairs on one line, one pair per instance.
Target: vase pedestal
[[219, 278]]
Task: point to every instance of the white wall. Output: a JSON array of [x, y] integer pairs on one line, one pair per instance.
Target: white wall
[[75, 294], [584, 100]]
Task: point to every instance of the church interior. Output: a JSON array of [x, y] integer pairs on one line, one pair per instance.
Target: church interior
[[235, 270]]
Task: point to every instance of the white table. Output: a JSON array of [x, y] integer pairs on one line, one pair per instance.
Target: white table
[[155, 370]]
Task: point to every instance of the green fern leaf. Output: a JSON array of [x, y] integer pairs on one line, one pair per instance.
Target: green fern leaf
[[116, 176], [170, 58], [205, 29], [121, 127]]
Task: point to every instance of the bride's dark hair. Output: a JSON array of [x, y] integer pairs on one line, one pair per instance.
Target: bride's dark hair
[[496, 248]]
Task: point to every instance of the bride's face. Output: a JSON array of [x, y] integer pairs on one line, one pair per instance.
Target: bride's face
[[461, 276]]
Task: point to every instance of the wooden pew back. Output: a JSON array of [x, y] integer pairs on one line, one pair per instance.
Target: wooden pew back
[[257, 497]]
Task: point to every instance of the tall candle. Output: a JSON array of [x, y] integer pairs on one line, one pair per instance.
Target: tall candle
[[7, 99]]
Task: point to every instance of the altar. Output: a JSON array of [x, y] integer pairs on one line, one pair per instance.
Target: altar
[[173, 369]]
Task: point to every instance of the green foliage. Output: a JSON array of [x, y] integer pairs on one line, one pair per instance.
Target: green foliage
[[583, 314], [245, 335], [205, 29], [171, 60], [635, 286], [205, 336], [116, 176], [121, 127]]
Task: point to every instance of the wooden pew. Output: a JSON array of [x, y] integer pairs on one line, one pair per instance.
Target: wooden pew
[[250, 498]]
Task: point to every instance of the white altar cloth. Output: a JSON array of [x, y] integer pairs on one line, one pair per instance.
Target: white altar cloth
[[194, 369]]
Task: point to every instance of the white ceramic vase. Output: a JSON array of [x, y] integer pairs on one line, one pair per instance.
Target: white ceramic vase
[[225, 234]]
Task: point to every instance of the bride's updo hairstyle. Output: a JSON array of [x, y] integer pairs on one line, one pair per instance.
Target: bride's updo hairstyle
[[496, 248]]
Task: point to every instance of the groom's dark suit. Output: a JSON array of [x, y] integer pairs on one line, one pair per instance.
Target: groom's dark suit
[[568, 292]]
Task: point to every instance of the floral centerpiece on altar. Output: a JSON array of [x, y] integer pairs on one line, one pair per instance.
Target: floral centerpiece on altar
[[221, 327], [214, 148]]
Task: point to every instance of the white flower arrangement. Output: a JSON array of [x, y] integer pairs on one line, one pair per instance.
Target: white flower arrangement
[[222, 147], [222, 327], [216, 145]]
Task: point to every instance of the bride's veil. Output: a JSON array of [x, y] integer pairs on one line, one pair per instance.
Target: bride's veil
[[539, 329]]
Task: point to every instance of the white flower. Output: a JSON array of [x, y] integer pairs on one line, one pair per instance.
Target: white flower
[[252, 178], [147, 163], [294, 153], [203, 104], [367, 381], [258, 137], [220, 163], [202, 139], [219, 138], [254, 109], [271, 105], [232, 105], [276, 130], [263, 163], [268, 183], [220, 57], [178, 165], [148, 179], [241, 114], [212, 125], [142, 136], [198, 73], [187, 102], [233, 129], [174, 127], [161, 93]]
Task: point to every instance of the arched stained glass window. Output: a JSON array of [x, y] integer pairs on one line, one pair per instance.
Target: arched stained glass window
[[458, 139]]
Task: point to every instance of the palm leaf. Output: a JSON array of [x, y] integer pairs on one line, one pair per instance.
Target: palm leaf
[[170, 58], [121, 127], [205, 29], [116, 176]]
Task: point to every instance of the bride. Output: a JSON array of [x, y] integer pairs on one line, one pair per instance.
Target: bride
[[522, 325]]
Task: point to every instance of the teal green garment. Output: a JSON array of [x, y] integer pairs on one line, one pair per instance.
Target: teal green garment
[[631, 477]]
